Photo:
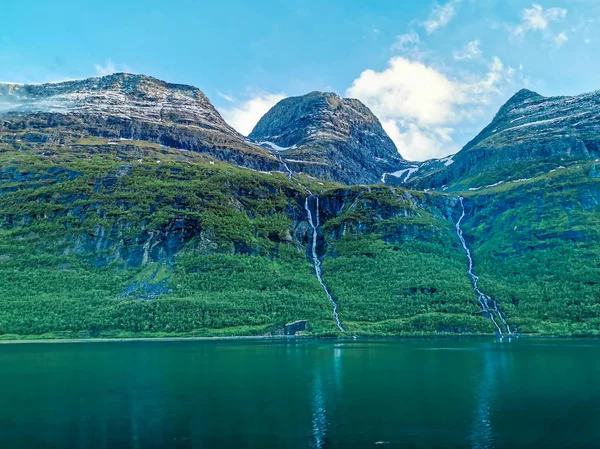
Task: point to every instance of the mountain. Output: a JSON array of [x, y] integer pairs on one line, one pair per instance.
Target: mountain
[[536, 132], [133, 107], [325, 136], [328, 137], [128, 209]]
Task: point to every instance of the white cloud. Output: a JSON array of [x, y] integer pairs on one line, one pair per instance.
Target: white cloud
[[109, 67], [560, 39], [245, 116], [470, 51], [417, 143], [226, 97], [406, 41], [407, 89], [418, 104], [441, 16], [537, 18]]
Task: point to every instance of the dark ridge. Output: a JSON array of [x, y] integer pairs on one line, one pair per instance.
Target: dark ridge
[[522, 96]]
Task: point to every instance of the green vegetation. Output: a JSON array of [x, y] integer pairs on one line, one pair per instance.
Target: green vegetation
[[508, 173], [75, 225], [395, 266], [537, 250], [131, 239], [391, 289]]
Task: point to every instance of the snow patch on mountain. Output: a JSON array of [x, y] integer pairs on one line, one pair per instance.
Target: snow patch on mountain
[[400, 173], [447, 160], [131, 97], [276, 147]]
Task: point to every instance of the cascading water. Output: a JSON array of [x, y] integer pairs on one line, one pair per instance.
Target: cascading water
[[488, 305], [288, 172], [314, 224]]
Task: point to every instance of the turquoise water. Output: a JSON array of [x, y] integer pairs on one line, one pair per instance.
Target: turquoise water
[[405, 393]]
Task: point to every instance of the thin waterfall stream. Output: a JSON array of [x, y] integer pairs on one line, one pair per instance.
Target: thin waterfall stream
[[489, 306], [289, 172], [314, 224]]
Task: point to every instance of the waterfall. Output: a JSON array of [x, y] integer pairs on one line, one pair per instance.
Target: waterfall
[[314, 224], [287, 168], [487, 304]]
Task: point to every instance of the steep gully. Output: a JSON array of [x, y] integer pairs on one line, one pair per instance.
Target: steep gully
[[313, 221], [488, 305]]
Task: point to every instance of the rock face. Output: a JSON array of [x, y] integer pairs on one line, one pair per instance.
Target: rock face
[[130, 107], [528, 127], [329, 137], [541, 126], [295, 327], [135, 97], [122, 231], [319, 134]]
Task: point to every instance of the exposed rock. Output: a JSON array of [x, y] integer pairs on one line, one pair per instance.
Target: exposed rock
[[528, 127], [135, 97], [291, 328], [145, 291], [329, 137], [125, 106]]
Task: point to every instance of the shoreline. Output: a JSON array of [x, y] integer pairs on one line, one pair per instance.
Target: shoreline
[[280, 338], [158, 339]]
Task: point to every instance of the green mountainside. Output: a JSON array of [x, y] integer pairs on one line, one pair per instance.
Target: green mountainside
[[109, 232]]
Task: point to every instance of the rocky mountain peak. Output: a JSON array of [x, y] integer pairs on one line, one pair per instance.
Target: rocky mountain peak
[[332, 137], [323, 117], [126, 83], [524, 95], [123, 95], [518, 100], [528, 127], [130, 107]]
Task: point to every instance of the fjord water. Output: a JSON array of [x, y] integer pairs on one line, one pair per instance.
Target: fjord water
[[405, 393]]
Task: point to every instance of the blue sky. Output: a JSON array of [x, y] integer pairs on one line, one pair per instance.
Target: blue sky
[[434, 72]]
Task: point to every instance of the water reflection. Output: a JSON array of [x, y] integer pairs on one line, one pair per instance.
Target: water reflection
[[135, 421], [495, 363], [409, 393], [337, 365], [319, 420], [327, 374]]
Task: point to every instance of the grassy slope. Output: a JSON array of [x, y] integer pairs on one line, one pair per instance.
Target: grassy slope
[[393, 264], [70, 215], [53, 287], [537, 250], [396, 268]]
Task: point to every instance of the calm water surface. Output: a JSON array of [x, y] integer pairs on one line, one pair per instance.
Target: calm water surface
[[429, 393]]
